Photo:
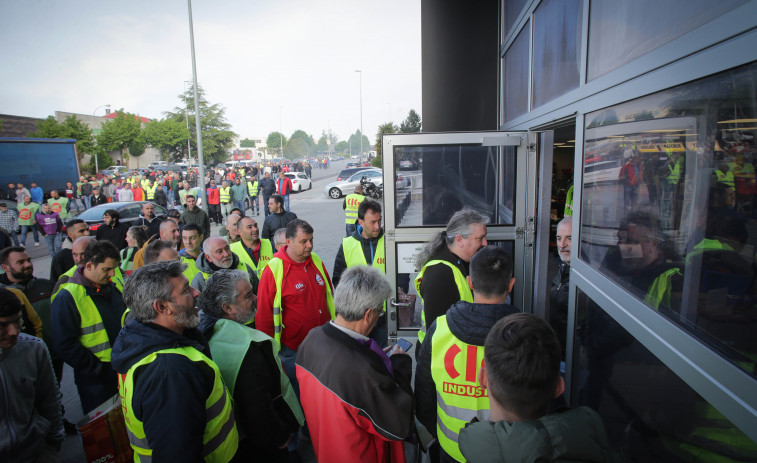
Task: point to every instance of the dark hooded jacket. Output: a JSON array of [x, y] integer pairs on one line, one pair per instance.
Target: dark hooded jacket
[[170, 392], [568, 436], [209, 268], [470, 323], [369, 249]]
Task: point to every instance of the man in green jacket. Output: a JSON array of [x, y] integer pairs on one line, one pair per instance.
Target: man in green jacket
[[265, 406], [238, 194], [521, 373]]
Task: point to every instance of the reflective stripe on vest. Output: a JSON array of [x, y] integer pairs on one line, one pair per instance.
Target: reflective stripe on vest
[[354, 256], [225, 194], [220, 439], [660, 290], [191, 269], [675, 172], [459, 396], [252, 188], [69, 273], [352, 202], [93, 335], [150, 192], [726, 178], [462, 288], [144, 183], [266, 254], [277, 269], [118, 279], [229, 343]]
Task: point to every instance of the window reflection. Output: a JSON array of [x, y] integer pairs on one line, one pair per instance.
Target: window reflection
[[650, 414], [433, 182], [409, 317], [668, 206]]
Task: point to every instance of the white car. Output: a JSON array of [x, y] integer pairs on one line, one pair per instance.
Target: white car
[[341, 188], [300, 181]]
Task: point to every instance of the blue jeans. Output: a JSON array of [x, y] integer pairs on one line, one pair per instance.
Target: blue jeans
[[240, 205], [287, 357], [87, 202], [14, 236], [286, 202], [254, 205], [25, 230], [53, 244]]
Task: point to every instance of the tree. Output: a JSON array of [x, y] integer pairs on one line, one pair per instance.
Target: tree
[[354, 142], [323, 145], [412, 124], [120, 133], [247, 143], [388, 127], [304, 136], [70, 128], [274, 141], [137, 148], [296, 148], [217, 136], [168, 136], [342, 147]]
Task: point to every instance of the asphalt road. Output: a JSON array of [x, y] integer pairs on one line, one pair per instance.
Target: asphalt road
[[326, 217]]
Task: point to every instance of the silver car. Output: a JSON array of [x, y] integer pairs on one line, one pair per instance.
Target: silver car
[[341, 188]]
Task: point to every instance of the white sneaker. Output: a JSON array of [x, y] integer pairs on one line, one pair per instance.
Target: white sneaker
[[22, 245], [36, 244]]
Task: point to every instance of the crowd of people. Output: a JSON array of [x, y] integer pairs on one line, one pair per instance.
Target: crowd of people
[[235, 348]]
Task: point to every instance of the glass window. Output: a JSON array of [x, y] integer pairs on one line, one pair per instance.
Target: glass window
[[512, 11], [621, 31], [669, 206], [650, 414], [453, 176], [410, 317], [557, 52], [515, 84]]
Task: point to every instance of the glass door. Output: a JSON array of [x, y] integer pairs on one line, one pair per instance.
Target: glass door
[[430, 176]]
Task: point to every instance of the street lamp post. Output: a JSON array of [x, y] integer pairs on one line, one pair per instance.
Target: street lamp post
[[361, 113], [281, 136], [97, 167], [198, 126], [186, 116]]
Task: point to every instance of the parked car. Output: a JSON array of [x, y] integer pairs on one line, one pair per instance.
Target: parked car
[[129, 212], [353, 164], [408, 164], [401, 182], [300, 181], [347, 186], [348, 172]]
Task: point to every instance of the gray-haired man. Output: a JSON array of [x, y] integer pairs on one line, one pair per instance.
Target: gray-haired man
[[266, 408]]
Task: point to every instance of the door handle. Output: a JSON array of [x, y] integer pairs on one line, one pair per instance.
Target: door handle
[[394, 303]]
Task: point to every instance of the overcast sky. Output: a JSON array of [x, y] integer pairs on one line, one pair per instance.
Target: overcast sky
[[253, 57]]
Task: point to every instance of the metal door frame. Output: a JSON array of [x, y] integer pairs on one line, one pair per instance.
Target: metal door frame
[[521, 232]]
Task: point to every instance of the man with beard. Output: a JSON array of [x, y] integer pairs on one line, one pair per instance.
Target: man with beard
[[252, 250], [64, 260], [112, 230], [278, 218], [558, 294], [173, 396], [86, 318], [217, 255], [195, 214], [265, 406], [19, 274]]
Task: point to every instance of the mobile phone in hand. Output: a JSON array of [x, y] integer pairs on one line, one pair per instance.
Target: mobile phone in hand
[[405, 344]]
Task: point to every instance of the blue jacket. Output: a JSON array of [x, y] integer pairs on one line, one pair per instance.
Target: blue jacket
[[37, 194], [169, 393], [66, 328]]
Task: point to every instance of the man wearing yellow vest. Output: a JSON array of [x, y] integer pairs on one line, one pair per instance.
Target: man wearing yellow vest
[[85, 320], [444, 265], [225, 197], [447, 390], [295, 295], [252, 193], [265, 406], [191, 238], [252, 250], [216, 255], [350, 206], [173, 396], [150, 190], [364, 247]]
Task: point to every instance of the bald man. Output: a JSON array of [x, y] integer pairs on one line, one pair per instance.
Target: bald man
[[217, 255], [77, 251], [169, 231]]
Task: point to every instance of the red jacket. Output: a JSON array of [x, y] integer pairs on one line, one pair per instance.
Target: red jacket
[[303, 300], [356, 410], [214, 195], [284, 185]]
